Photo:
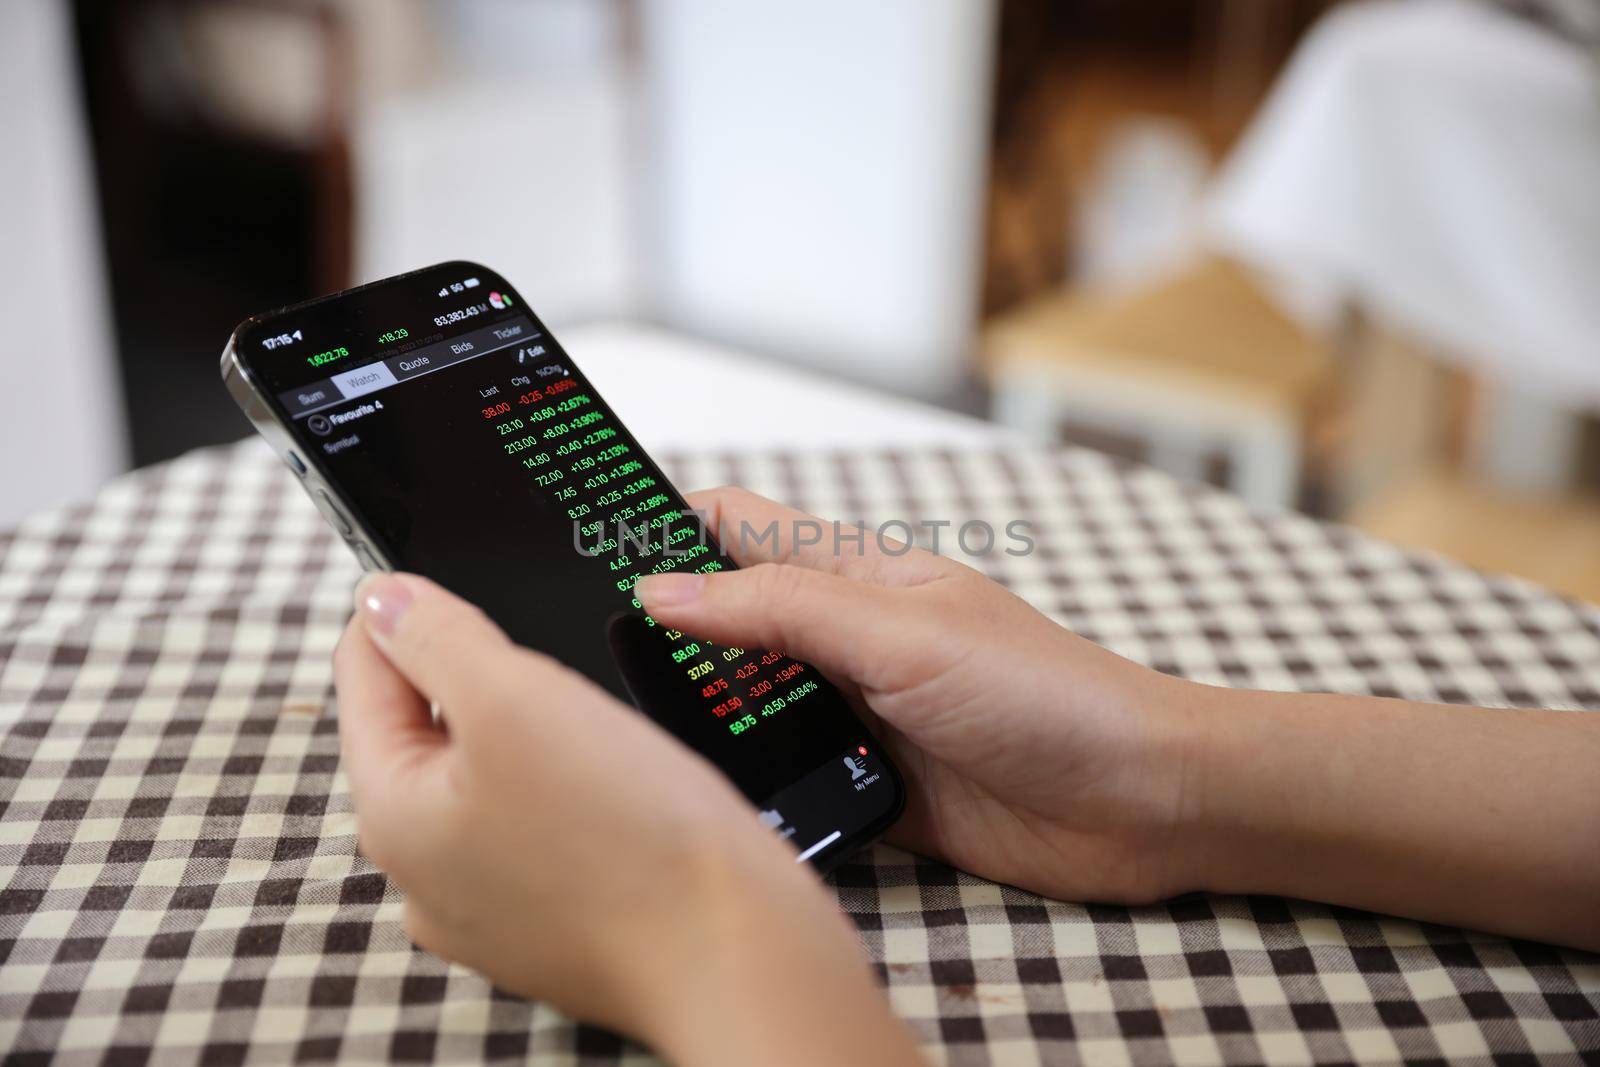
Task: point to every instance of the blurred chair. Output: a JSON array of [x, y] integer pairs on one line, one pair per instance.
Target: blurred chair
[[1199, 365]]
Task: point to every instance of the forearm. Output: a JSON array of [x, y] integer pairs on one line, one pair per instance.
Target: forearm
[[1482, 818]]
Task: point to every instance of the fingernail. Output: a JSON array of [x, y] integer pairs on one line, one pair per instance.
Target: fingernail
[[666, 590], [382, 599]]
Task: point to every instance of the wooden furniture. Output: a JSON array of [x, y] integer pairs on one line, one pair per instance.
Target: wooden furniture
[[1200, 365], [1554, 541]]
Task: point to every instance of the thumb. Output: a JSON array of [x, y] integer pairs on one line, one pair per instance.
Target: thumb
[[445, 647], [845, 627]]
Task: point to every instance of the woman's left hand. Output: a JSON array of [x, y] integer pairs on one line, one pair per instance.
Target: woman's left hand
[[567, 848]]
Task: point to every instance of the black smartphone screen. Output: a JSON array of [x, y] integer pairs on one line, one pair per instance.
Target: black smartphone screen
[[465, 445]]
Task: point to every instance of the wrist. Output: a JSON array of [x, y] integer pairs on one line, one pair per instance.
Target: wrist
[[671, 957], [774, 974], [749, 950], [1264, 773], [1393, 806], [1222, 750]]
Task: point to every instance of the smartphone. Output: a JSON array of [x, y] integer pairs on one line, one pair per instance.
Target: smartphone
[[441, 429]]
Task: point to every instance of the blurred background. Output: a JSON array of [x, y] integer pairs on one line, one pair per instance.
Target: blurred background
[[1337, 257]]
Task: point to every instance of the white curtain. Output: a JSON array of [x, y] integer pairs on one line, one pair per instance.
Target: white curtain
[[61, 431], [1439, 161]]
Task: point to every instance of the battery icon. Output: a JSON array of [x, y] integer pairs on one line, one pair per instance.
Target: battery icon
[[471, 283]]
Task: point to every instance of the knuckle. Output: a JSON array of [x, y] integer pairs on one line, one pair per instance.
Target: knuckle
[[525, 665], [439, 610], [540, 673], [713, 495], [737, 495], [715, 505], [417, 641], [775, 583], [506, 681], [476, 616], [519, 672]]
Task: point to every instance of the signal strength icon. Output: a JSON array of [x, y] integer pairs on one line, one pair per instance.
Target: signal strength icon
[[445, 291]]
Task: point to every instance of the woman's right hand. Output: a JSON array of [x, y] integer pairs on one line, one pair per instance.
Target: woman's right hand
[[1037, 758], [1031, 755]]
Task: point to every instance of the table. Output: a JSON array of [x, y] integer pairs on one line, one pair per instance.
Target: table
[[684, 393], [179, 881]]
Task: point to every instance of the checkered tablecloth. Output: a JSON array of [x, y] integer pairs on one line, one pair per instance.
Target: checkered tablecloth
[[179, 879]]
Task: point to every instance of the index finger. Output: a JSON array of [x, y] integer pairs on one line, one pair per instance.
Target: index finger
[[752, 529]]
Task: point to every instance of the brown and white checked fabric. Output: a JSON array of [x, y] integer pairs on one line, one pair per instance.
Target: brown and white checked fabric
[[178, 874]]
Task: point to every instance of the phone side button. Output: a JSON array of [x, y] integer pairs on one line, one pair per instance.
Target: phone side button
[[365, 558], [331, 510], [296, 464]]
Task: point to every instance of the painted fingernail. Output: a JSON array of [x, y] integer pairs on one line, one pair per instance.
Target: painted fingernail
[[667, 590], [382, 599]]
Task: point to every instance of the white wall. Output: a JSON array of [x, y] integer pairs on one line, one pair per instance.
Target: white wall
[[517, 153], [61, 431], [817, 179]]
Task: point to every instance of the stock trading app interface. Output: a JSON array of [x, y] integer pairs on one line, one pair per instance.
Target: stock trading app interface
[[477, 454]]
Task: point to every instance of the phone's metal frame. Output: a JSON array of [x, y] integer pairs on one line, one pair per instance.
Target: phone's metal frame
[[333, 508]]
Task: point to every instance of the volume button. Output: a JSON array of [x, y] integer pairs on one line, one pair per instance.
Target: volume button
[[330, 509], [296, 464], [364, 556]]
